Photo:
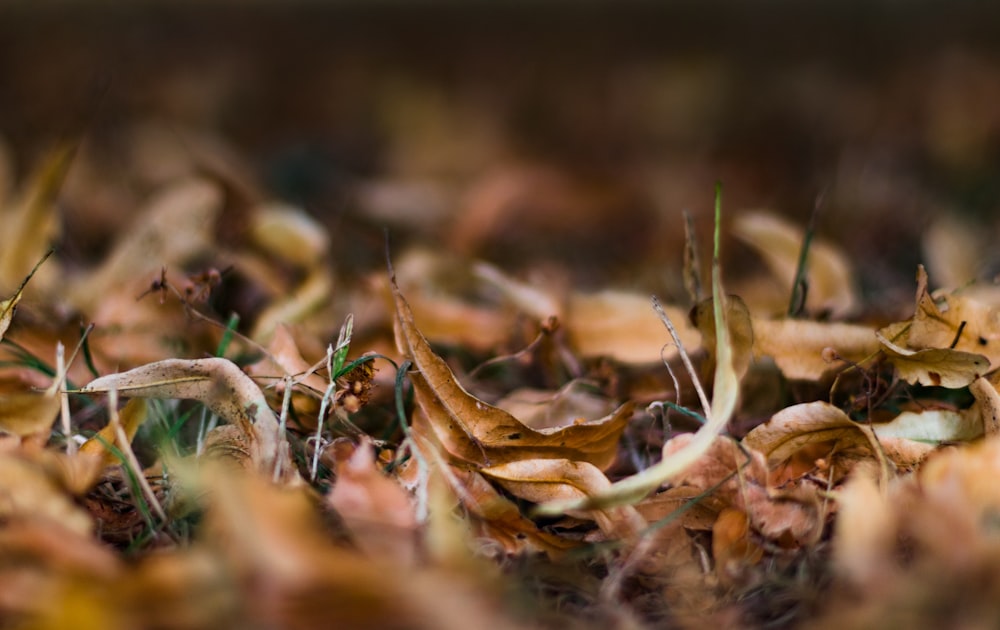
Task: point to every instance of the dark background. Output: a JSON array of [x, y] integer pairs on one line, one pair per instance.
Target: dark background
[[891, 110]]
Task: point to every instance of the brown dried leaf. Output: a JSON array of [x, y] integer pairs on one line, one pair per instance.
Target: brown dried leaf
[[942, 367], [31, 492], [938, 321], [476, 432], [829, 276], [377, 511], [934, 426], [31, 224], [173, 228], [28, 413], [797, 346], [541, 480], [623, 327], [988, 402], [131, 417], [797, 426], [501, 520], [9, 306]]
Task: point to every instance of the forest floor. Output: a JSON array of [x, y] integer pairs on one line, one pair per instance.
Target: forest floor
[[580, 326]]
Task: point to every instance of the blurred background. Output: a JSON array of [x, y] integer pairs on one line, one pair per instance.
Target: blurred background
[[525, 133]]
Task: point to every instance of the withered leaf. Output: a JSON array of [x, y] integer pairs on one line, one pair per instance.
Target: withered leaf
[[942, 367], [797, 346], [132, 415], [221, 386], [808, 423], [27, 413], [541, 480], [988, 401], [485, 435], [30, 224], [831, 286]]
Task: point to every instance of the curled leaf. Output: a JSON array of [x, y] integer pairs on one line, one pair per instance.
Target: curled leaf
[[541, 480], [797, 426], [831, 286], [477, 432], [220, 385], [942, 367]]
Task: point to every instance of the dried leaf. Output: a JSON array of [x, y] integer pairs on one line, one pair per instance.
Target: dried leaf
[[797, 426], [541, 480], [291, 234], [934, 425], [831, 286], [544, 409], [9, 306], [988, 401], [31, 492], [375, 508], [221, 386], [28, 413], [942, 367], [955, 321], [305, 299], [623, 327], [173, 228], [797, 346], [479, 433], [132, 415], [31, 224]]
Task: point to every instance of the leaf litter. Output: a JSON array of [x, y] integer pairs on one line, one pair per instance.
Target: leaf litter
[[496, 466]]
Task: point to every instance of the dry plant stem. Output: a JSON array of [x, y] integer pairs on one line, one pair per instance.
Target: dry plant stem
[[126, 448], [324, 405], [60, 385], [684, 357], [282, 423]]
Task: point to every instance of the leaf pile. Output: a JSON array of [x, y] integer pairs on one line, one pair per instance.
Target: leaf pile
[[307, 445]]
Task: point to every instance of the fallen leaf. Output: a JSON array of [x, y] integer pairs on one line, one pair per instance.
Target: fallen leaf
[[479, 433], [941, 367], [622, 326], [26, 413], [131, 417], [797, 346], [988, 401], [829, 276], [377, 511], [541, 480], [797, 426], [31, 223], [221, 386]]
